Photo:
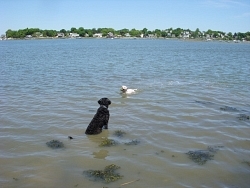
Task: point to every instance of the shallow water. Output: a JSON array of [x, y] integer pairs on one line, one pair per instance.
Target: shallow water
[[50, 88]]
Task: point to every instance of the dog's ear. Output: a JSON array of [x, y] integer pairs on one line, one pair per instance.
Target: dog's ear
[[109, 102], [100, 101]]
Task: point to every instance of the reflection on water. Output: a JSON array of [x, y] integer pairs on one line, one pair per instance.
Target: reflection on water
[[99, 137], [102, 154]]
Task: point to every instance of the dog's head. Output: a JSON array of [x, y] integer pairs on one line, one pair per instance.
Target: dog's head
[[104, 101], [124, 89]]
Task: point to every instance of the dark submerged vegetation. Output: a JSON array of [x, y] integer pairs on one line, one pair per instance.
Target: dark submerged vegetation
[[229, 109], [108, 142], [107, 175], [202, 156], [243, 117], [133, 142], [119, 133], [55, 144]]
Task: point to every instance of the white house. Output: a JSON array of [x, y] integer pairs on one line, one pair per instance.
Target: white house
[[208, 36], [98, 35], [73, 35], [110, 35], [127, 35], [151, 36], [186, 34], [60, 35]]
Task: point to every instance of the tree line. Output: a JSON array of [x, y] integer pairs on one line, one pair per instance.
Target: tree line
[[178, 32]]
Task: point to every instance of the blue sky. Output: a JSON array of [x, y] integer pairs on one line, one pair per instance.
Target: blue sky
[[220, 15]]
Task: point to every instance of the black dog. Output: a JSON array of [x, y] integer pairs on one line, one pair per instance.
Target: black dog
[[100, 119]]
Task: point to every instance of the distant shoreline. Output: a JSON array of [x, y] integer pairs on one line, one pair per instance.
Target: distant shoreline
[[128, 38]]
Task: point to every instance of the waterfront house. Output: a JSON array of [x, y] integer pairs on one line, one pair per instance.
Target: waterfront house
[[98, 35], [37, 34], [186, 34], [151, 36], [208, 36], [127, 35], [73, 35], [60, 35], [110, 35], [3, 37]]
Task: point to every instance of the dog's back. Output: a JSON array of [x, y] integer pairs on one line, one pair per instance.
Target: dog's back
[[125, 90], [129, 91], [100, 119]]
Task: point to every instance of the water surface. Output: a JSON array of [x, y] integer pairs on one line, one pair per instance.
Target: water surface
[[50, 88]]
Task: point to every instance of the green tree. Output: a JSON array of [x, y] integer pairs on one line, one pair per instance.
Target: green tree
[[134, 33], [163, 33], [123, 32], [81, 31], [89, 32], [49, 33], [215, 34], [99, 30], [15, 34], [230, 36], [21, 33], [209, 32], [247, 36], [196, 33], [9, 33], [144, 32], [157, 32], [104, 32], [241, 35], [94, 31], [63, 31], [177, 32], [73, 30]]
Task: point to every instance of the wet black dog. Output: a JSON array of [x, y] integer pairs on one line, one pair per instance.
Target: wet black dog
[[100, 119]]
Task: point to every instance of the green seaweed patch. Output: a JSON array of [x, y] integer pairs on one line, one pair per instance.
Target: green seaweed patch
[[203, 102], [229, 109], [55, 144], [133, 142], [119, 133], [243, 117], [200, 156], [107, 175], [108, 142], [214, 149]]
